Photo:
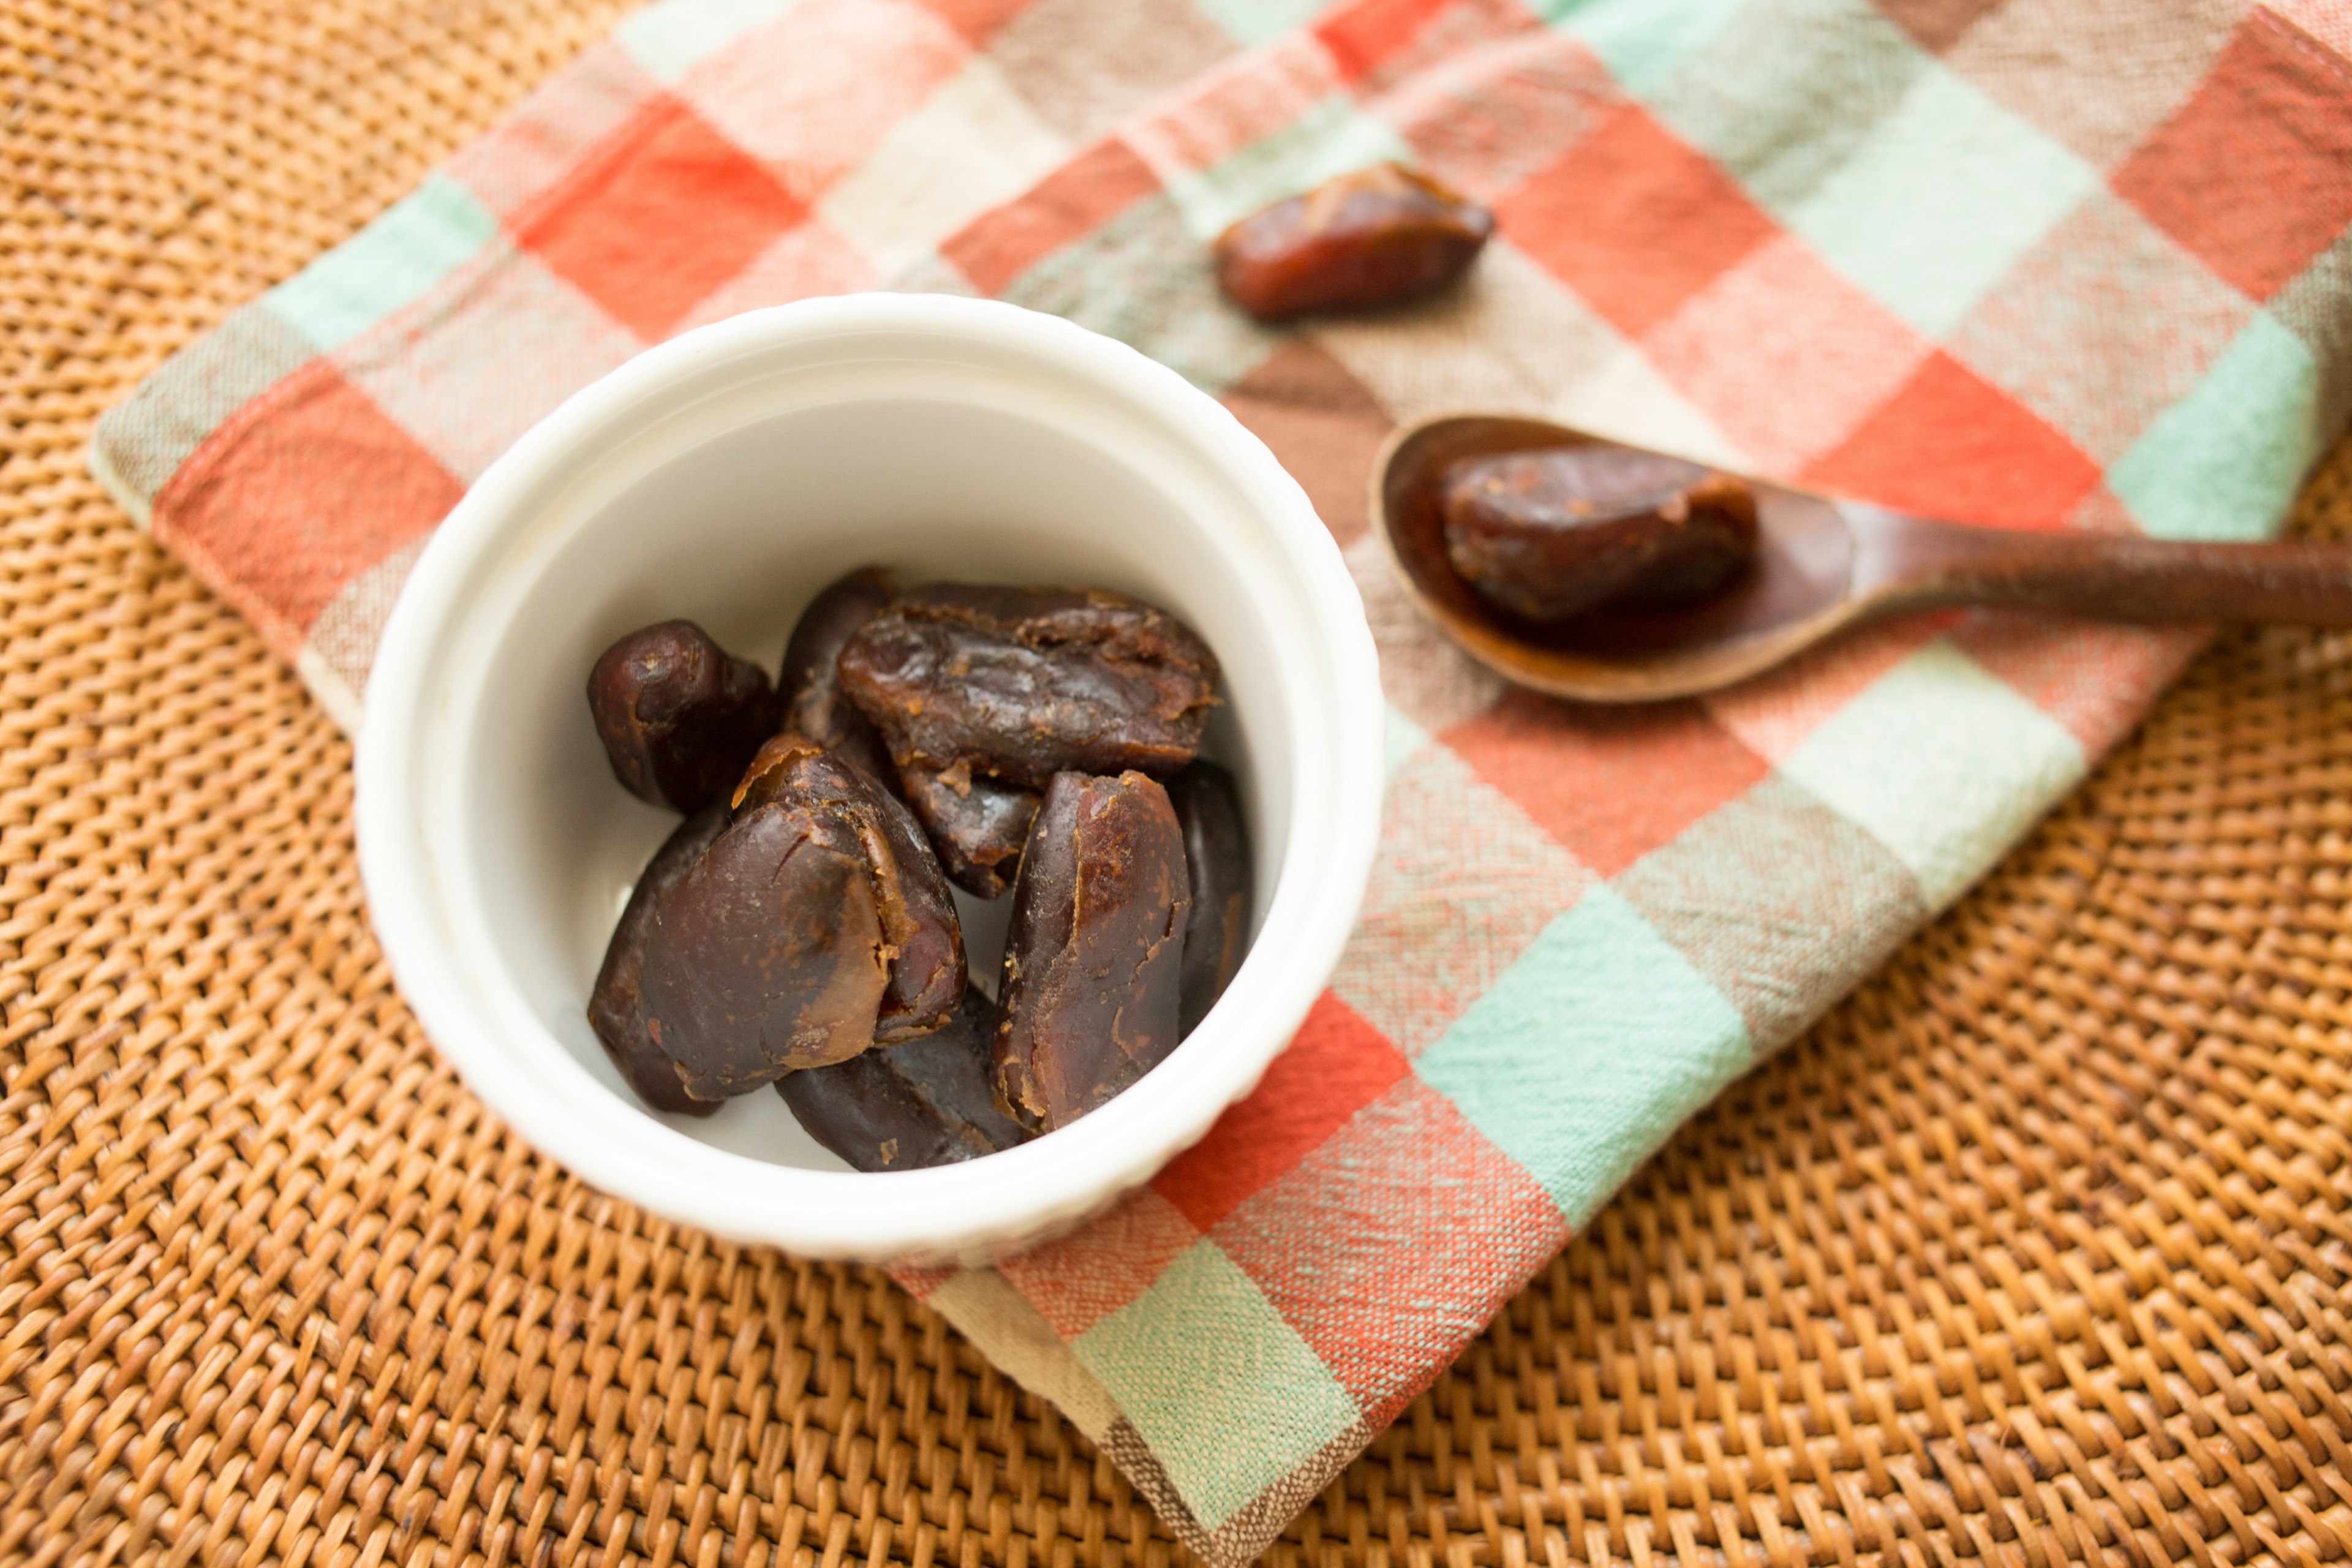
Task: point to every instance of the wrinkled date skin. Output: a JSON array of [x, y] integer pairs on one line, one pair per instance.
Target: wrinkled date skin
[[1547, 535], [977, 823], [809, 685], [925, 1101], [1012, 686], [1218, 874], [768, 954], [1093, 964], [1371, 237], [910, 894], [816, 925], [679, 715], [615, 1009]]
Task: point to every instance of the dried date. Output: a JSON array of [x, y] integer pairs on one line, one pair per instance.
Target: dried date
[[679, 715], [1218, 875], [1092, 965], [1371, 237], [816, 923], [911, 897], [768, 955], [977, 823], [984, 694], [1550, 534], [810, 683], [925, 1101], [615, 1009]]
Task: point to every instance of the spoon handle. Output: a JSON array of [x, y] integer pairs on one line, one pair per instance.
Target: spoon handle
[[1920, 563]]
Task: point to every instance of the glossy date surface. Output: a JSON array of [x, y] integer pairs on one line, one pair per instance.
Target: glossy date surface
[[977, 824], [768, 953], [1371, 237], [1093, 964], [910, 893], [925, 1101], [983, 694], [1550, 534], [679, 715], [615, 1007], [815, 924]]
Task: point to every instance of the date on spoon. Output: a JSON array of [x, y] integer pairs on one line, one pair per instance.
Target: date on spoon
[[1820, 565]]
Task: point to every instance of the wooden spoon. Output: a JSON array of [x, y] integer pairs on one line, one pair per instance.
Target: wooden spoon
[[1822, 565]]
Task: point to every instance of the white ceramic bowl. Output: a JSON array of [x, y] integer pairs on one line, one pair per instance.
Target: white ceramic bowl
[[728, 476]]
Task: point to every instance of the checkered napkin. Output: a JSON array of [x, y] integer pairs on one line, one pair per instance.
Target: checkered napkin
[[2040, 263]]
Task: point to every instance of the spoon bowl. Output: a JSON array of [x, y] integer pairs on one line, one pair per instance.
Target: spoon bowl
[[1823, 564]]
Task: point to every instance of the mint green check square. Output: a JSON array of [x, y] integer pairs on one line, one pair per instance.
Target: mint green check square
[[2225, 461], [1948, 194], [1589, 1051], [418, 241], [1641, 41], [1403, 740], [1777, 94], [1942, 761], [669, 37], [1142, 280], [1331, 137], [1217, 1382]]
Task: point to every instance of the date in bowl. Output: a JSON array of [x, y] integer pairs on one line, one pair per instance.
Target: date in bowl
[[727, 475]]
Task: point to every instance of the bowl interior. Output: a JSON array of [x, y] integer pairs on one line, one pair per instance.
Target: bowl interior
[[739, 529]]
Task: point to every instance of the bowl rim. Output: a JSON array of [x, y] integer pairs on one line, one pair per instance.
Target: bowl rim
[[968, 1211]]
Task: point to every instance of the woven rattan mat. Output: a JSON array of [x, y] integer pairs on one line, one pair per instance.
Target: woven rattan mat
[[2038, 1249]]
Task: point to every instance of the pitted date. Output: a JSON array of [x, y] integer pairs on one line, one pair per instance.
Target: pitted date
[[1092, 966], [679, 715], [1371, 237], [985, 693], [1550, 534], [925, 1101], [809, 685], [816, 923], [615, 1009], [1024, 683], [1218, 874], [912, 897], [978, 824], [768, 954]]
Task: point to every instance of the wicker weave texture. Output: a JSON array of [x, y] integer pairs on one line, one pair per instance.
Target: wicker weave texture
[[2037, 1250]]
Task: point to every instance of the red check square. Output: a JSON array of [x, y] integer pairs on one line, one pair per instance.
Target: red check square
[[1382, 45], [1334, 1067], [1415, 1174], [1610, 783], [1490, 120], [1362, 36], [671, 211], [1634, 220], [1785, 356], [1065, 205], [2254, 176], [1950, 444], [288, 504]]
